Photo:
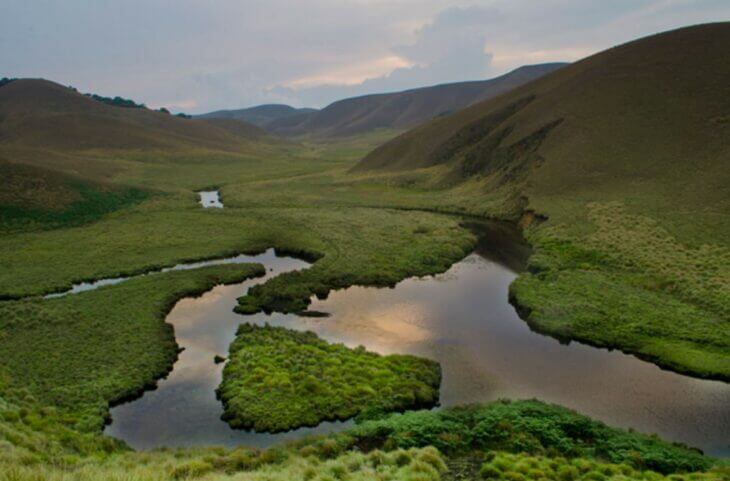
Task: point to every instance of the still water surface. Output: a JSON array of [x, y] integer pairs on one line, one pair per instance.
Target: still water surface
[[210, 198], [462, 319]]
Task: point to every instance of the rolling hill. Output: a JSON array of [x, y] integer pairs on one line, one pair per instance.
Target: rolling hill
[[261, 115], [61, 152], [623, 159], [42, 114], [394, 111]]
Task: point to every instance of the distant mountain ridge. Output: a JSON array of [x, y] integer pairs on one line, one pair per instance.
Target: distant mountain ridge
[[397, 110], [261, 115]]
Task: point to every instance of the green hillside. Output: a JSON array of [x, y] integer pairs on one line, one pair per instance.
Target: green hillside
[[394, 111], [623, 159], [68, 159], [43, 114]]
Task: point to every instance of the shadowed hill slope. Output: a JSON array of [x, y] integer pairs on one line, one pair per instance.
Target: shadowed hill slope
[[653, 112], [261, 115], [626, 155], [394, 111], [67, 159], [42, 114]]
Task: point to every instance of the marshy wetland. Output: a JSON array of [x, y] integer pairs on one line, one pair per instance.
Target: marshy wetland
[[124, 283], [461, 319]]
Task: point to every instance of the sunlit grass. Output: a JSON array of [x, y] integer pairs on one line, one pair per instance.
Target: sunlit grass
[[277, 379]]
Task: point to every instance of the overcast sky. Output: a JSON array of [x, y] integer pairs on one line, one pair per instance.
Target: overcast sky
[[201, 55]]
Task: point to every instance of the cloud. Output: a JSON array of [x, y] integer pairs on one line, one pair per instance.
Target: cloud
[[450, 48], [236, 53]]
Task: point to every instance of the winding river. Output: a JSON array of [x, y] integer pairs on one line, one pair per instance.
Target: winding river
[[461, 318]]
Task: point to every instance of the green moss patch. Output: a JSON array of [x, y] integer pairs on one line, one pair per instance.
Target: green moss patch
[[279, 379]]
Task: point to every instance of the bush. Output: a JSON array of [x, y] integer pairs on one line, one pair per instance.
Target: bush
[[527, 427], [191, 469], [278, 379]]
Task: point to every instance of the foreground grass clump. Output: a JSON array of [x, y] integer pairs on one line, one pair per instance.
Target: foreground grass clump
[[529, 427], [278, 379], [37, 445], [525, 467], [80, 352], [243, 465], [522, 440]]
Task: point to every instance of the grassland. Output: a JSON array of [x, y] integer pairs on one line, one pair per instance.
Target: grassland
[[519, 439], [667, 299], [630, 242], [80, 352], [36, 199], [277, 379], [522, 467]]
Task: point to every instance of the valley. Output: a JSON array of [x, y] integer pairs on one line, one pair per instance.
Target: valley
[[379, 303]]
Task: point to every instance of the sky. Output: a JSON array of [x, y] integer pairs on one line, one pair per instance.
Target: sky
[[197, 56]]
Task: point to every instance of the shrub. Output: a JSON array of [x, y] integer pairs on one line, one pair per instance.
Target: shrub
[[191, 469], [278, 379]]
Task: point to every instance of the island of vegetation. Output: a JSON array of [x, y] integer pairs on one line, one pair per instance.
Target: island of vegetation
[[279, 379]]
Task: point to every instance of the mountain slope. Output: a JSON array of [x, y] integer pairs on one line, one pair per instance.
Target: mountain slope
[[402, 110], [627, 156], [39, 113], [67, 159], [396, 111], [261, 115]]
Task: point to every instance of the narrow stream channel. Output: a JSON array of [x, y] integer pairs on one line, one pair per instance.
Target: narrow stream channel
[[462, 319]]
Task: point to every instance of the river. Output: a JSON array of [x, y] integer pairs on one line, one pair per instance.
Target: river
[[461, 318]]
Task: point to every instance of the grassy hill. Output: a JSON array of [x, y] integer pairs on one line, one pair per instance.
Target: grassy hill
[[624, 160], [68, 158], [393, 111], [41, 114], [261, 115]]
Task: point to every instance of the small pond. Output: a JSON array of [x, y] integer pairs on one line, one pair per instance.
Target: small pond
[[210, 199]]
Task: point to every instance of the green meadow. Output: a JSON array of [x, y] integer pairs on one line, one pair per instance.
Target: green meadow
[[80, 352], [629, 243]]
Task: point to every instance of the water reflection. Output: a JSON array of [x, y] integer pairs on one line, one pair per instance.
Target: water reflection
[[183, 410], [462, 319]]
